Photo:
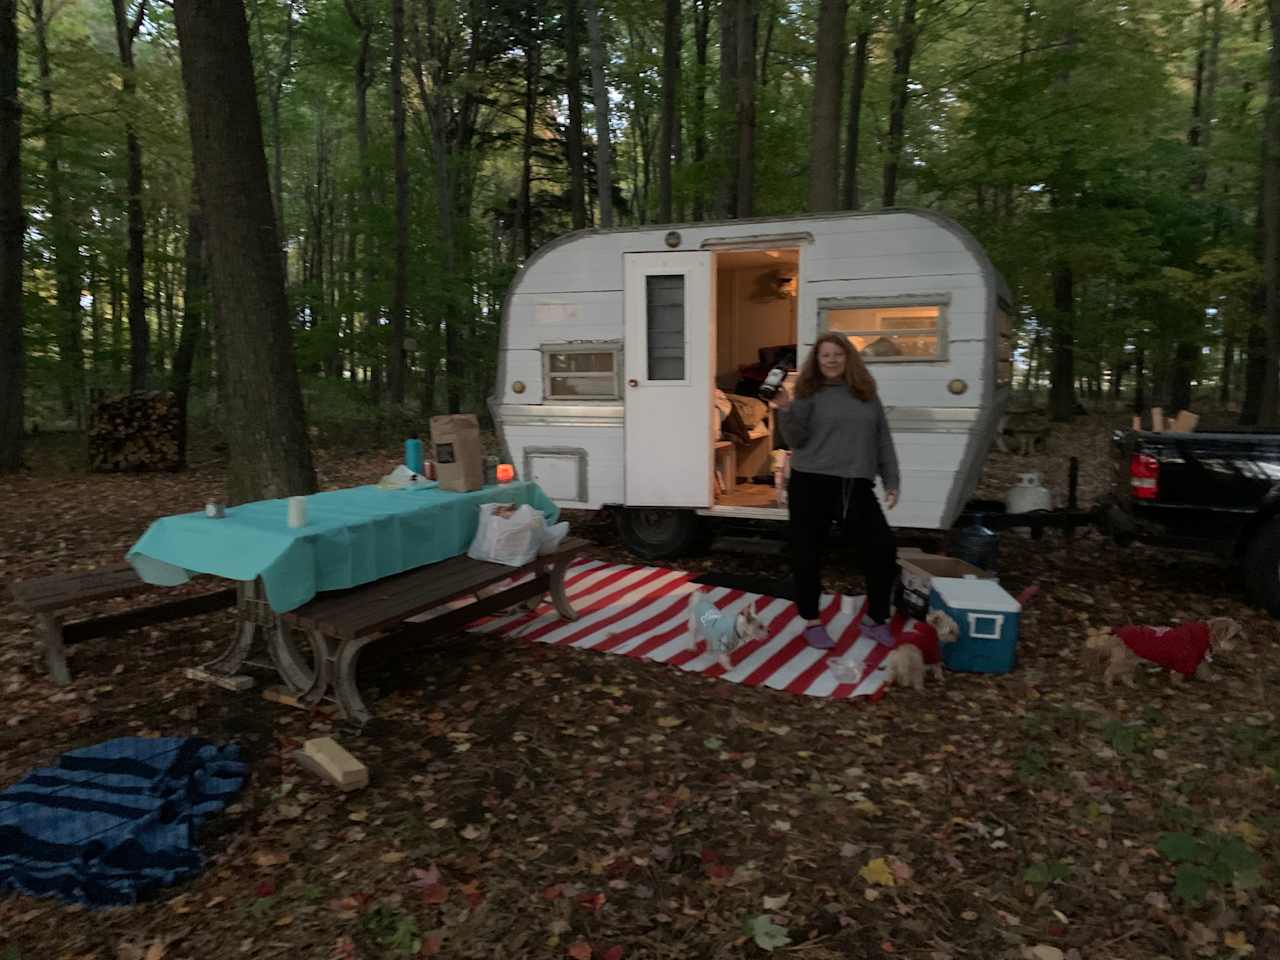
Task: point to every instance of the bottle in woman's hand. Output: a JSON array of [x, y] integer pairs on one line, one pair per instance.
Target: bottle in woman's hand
[[781, 400]]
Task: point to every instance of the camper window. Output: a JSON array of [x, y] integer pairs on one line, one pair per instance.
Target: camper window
[[664, 308], [1004, 340], [889, 333], [581, 371]]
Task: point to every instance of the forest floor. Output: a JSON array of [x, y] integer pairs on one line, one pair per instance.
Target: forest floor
[[528, 801]]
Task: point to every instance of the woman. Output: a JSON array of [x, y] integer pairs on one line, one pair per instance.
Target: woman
[[840, 442]]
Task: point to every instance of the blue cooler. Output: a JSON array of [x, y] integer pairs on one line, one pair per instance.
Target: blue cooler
[[988, 618]]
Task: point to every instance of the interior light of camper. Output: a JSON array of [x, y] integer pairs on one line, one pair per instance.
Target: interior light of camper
[[672, 239], [518, 387], [1144, 476], [958, 386]]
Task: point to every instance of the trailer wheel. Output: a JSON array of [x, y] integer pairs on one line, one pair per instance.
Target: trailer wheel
[[657, 533], [1262, 567]]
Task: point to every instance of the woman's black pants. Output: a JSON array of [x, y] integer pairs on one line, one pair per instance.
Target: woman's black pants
[[815, 500]]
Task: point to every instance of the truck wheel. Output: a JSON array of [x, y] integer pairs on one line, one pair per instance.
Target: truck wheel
[[657, 533], [1262, 567]]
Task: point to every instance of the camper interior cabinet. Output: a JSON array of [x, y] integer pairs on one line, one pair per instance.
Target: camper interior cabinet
[[631, 361]]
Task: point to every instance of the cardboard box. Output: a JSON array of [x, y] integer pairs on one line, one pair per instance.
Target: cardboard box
[[919, 569], [459, 458]]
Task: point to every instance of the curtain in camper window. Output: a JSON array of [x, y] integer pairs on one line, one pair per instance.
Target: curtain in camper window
[[664, 308]]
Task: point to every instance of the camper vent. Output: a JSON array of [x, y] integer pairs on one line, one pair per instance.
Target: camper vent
[[561, 472]]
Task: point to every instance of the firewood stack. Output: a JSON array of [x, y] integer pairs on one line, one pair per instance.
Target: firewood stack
[[135, 432]]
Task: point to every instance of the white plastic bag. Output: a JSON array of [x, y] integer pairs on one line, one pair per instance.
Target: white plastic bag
[[553, 536], [402, 478], [510, 540]]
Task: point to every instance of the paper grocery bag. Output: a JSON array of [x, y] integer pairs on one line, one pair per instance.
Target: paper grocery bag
[[455, 440]]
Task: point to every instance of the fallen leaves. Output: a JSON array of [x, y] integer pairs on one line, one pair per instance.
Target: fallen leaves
[[1042, 951], [670, 723], [270, 858], [885, 872], [766, 934]]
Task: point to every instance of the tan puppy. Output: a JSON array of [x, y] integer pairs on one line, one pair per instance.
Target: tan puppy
[[906, 667], [1106, 652]]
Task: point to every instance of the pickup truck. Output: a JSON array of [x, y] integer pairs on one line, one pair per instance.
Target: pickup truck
[[1213, 491]]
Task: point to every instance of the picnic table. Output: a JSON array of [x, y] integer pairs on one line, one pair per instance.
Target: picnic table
[[353, 538]]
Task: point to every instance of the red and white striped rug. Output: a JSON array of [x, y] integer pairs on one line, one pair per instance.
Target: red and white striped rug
[[642, 612]]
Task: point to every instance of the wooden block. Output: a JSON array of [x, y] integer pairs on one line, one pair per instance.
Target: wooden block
[[1157, 420], [341, 767], [309, 763], [237, 682], [281, 695], [1185, 422]]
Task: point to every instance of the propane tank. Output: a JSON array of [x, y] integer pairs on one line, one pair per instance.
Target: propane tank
[[1028, 494]]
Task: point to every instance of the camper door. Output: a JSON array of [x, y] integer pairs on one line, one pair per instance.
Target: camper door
[[670, 303]]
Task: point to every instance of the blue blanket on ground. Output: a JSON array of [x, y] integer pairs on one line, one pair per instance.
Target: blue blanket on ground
[[113, 821]]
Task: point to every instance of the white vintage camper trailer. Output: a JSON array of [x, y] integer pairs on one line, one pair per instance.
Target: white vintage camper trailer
[[621, 350]]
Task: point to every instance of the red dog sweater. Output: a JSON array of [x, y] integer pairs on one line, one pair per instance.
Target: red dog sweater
[[922, 635], [1181, 648]]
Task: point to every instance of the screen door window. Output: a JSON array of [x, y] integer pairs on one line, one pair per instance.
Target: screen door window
[[664, 307]]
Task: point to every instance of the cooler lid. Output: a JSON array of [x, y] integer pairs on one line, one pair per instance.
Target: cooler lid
[[964, 593]]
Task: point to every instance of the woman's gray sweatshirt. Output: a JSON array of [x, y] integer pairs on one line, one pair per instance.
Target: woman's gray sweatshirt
[[833, 432]]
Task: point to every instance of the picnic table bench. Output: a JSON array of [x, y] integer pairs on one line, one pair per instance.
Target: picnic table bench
[[48, 597], [340, 624]]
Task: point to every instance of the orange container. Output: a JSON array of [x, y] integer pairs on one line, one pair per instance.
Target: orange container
[[506, 473]]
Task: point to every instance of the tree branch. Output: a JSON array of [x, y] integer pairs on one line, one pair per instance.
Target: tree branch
[[137, 21]]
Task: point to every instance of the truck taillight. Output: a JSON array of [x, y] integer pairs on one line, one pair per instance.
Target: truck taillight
[[1144, 476]]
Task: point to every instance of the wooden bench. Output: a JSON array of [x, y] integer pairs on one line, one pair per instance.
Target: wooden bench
[[47, 597], [341, 623]]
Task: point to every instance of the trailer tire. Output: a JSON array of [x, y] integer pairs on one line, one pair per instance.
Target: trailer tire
[[658, 533], [1262, 567]]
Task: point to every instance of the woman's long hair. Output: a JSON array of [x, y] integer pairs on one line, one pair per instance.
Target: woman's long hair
[[861, 384]]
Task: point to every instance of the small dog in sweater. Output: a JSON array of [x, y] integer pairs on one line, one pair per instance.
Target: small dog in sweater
[[1184, 650], [721, 632], [920, 651]]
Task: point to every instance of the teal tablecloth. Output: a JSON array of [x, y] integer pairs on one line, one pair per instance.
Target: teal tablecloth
[[352, 536]]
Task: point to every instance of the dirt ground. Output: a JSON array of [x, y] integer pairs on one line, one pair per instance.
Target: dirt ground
[[536, 802]]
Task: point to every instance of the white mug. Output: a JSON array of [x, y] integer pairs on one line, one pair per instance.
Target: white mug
[[297, 511]]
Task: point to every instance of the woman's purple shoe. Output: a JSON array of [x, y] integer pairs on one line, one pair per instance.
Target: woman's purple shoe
[[877, 632], [817, 637]]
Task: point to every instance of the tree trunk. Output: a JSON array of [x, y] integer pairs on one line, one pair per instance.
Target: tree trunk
[[66, 258], [1255, 372], [532, 70], [1185, 358], [1269, 407], [1140, 379], [117, 322], [573, 80], [1062, 396], [600, 93], [194, 294], [396, 368], [828, 91], [12, 228], [746, 104], [899, 93], [265, 421], [139, 335], [771, 20], [365, 297], [728, 195], [701, 39], [851, 200], [1228, 362], [671, 42]]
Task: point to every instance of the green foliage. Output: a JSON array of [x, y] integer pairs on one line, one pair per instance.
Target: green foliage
[[1059, 138], [392, 929], [1207, 861], [1046, 873]]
